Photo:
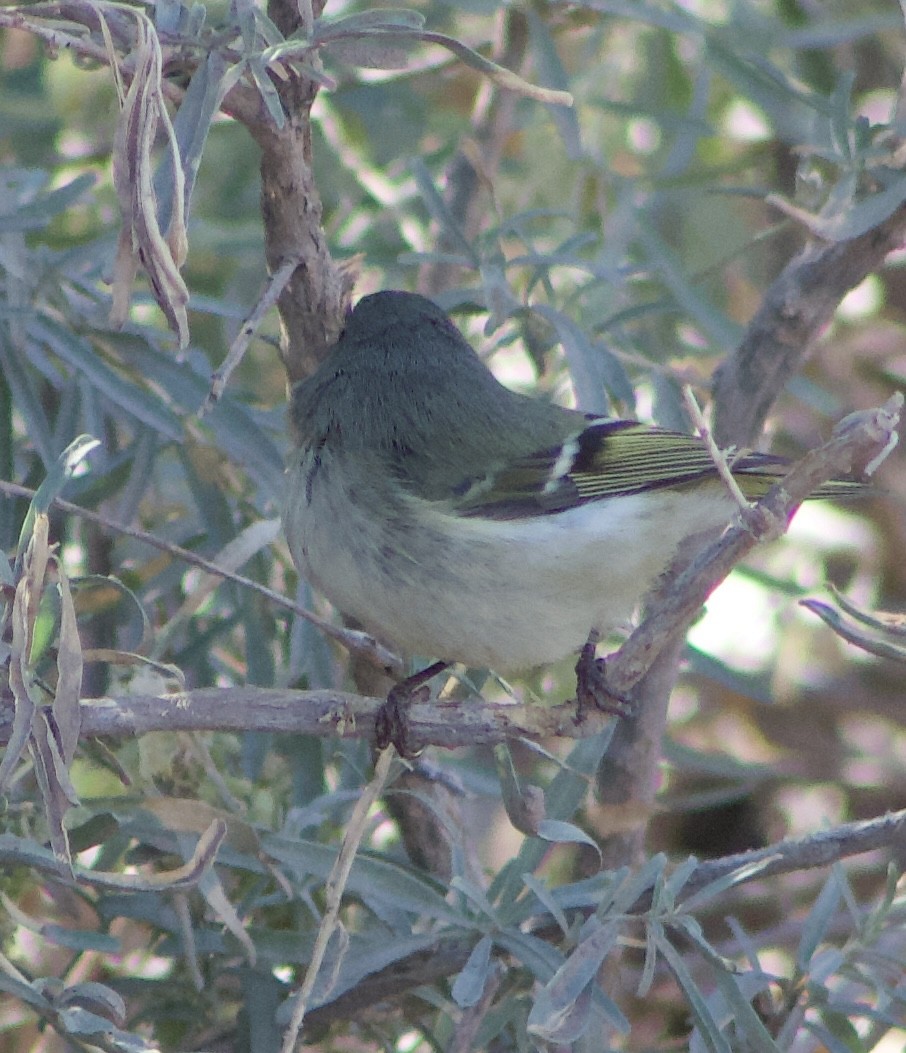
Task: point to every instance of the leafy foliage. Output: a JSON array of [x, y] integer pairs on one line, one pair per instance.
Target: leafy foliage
[[606, 252]]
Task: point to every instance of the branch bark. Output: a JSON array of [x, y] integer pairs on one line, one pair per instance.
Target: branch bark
[[313, 303], [796, 309]]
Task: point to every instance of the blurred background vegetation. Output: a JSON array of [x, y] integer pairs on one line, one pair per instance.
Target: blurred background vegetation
[[636, 227]]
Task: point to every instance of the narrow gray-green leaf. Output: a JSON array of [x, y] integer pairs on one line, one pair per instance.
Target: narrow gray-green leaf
[[28, 403], [708, 1027], [819, 920], [470, 983], [552, 71], [379, 18], [369, 876], [438, 209], [85, 360], [816, 35], [200, 105], [582, 357], [267, 90], [560, 832], [543, 893], [62, 470], [745, 1018], [721, 330], [671, 18]]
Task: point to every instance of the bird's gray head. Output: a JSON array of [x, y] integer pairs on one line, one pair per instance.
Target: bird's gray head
[[375, 314]]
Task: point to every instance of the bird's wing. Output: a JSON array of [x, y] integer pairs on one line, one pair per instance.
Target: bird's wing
[[611, 458]]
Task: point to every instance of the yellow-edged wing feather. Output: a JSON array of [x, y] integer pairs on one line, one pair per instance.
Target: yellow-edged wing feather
[[611, 459]]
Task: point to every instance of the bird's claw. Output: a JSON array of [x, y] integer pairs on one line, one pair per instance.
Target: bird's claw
[[391, 725], [592, 690]]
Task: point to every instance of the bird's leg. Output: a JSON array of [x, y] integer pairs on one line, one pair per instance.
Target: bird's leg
[[591, 684], [391, 724]]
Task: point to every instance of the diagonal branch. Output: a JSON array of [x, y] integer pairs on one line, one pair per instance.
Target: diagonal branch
[[859, 438], [796, 309]]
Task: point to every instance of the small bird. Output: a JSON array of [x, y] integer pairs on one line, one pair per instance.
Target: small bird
[[457, 519]]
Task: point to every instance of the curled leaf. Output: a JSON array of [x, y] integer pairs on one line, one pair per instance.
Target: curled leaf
[[141, 239]]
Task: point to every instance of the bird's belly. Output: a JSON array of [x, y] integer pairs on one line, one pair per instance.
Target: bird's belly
[[505, 594]]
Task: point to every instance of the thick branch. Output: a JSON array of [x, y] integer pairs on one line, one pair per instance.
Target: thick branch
[[797, 307], [795, 310], [313, 303], [651, 654], [460, 723]]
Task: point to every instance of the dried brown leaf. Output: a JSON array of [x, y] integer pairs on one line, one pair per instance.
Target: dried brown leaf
[[67, 712], [141, 238], [53, 780]]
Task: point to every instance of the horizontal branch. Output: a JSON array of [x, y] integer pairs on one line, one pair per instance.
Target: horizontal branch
[[461, 722], [795, 854]]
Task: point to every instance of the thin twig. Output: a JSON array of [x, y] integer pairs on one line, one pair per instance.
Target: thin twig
[[275, 286], [359, 643], [718, 456], [333, 892]]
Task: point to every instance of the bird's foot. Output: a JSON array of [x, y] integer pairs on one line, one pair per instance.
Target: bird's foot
[[391, 724], [592, 690]]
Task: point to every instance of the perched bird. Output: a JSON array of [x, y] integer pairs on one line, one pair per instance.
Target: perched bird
[[456, 519]]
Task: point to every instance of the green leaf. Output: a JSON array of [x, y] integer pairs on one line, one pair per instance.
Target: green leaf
[[863, 216], [371, 876], [200, 105], [86, 362], [28, 403], [563, 1009], [723, 332], [38, 213], [705, 1022], [566, 792], [671, 18], [470, 983], [584, 358], [841, 117], [438, 209], [745, 1019], [553, 73], [830, 33], [566, 833], [547, 900], [820, 918], [52, 486], [380, 18], [25, 992], [720, 885], [81, 939]]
